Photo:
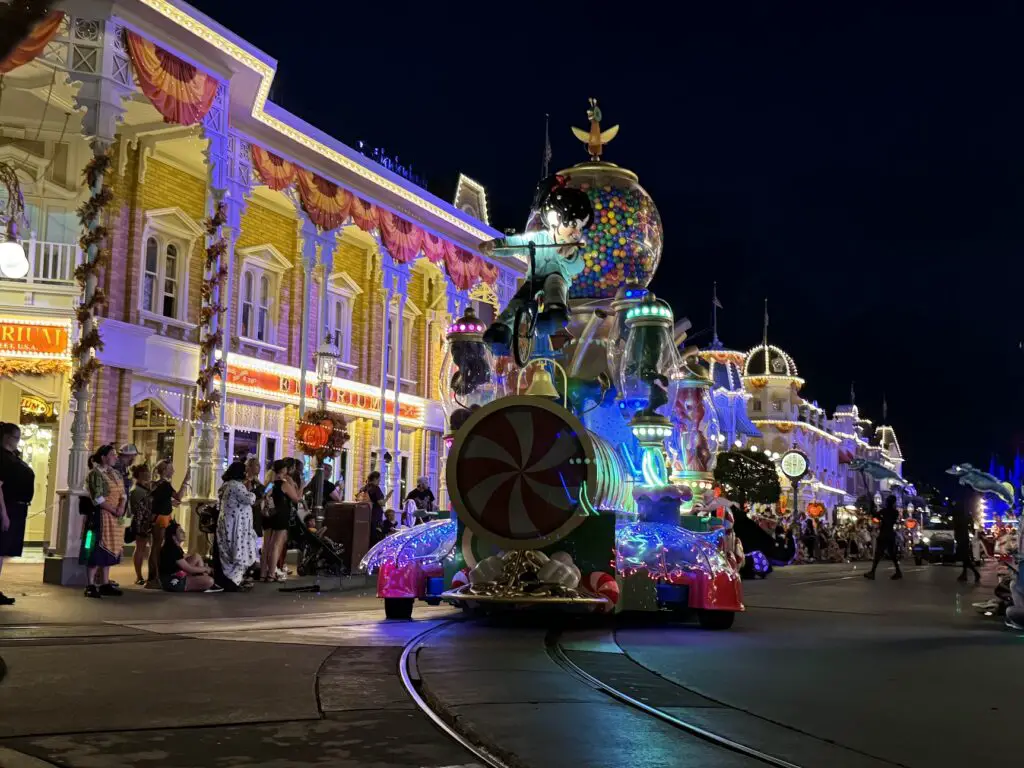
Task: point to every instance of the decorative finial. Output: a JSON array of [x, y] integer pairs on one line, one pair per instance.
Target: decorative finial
[[853, 397], [595, 138]]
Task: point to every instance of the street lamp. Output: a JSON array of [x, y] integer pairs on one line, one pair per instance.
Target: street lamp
[[326, 366], [13, 262]]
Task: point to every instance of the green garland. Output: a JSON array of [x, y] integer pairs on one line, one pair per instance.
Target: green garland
[[94, 235], [211, 286]]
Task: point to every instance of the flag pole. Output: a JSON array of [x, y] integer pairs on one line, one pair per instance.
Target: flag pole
[[545, 165]]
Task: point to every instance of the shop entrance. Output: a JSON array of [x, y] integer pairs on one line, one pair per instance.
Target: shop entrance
[[38, 436], [153, 432]]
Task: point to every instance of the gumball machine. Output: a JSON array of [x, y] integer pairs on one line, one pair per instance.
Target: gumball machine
[[696, 432]]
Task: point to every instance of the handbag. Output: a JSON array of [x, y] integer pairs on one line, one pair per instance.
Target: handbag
[[129, 534]]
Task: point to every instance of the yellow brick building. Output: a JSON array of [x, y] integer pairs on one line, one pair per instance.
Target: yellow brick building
[[290, 284]]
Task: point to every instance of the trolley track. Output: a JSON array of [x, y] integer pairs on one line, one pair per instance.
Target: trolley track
[[495, 756], [560, 657]]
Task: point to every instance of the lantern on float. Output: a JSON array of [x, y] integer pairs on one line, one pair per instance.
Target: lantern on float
[[695, 433]]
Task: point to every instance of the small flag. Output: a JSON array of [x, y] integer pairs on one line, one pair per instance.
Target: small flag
[[714, 298], [547, 149]]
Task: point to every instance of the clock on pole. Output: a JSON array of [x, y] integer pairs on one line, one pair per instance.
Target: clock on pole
[[795, 466]]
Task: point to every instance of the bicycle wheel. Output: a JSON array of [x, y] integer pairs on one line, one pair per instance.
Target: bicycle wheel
[[522, 334]]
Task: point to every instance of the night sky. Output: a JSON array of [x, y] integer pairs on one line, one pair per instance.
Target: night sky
[[860, 166]]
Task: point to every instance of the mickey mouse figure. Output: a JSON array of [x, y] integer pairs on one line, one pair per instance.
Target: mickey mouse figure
[[565, 213]]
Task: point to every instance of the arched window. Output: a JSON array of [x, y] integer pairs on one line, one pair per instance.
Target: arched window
[[263, 321], [247, 305], [170, 302], [151, 277]]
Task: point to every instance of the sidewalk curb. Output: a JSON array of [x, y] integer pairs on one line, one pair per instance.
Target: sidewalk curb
[[10, 758], [459, 723]]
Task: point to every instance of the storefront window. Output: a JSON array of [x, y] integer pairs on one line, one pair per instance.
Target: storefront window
[[246, 444], [153, 432]]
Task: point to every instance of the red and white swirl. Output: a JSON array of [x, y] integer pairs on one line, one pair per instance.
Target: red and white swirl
[[520, 470]]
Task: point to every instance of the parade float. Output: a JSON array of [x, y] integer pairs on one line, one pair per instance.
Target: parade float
[[581, 440]]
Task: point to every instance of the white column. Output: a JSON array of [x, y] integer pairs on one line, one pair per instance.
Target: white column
[[385, 311], [309, 238], [396, 429]]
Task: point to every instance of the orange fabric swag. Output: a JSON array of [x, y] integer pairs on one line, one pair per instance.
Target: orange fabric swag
[[179, 91], [275, 172], [33, 45], [326, 203]]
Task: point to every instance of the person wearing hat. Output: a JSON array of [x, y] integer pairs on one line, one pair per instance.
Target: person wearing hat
[[125, 458]]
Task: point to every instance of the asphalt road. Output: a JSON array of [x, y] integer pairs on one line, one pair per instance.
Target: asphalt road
[[824, 668], [903, 671]]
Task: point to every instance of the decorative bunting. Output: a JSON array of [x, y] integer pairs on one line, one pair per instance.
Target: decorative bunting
[[275, 172], [329, 206], [34, 44], [462, 267], [403, 239], [364, 214], [326, 203], [179, 91]]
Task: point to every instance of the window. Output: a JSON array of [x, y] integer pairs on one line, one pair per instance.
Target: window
[[341, 295], [777, 405], [168, 238], [258, 305], [406, 342], [757, 405], [259, 293], [161, 278]]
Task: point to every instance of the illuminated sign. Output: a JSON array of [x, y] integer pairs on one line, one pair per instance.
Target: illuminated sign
[[289, 385], [35, 406], [29, 339]]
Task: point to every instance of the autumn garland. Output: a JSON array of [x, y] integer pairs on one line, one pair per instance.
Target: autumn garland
[[321, 434], [93, 240], [211, 308]]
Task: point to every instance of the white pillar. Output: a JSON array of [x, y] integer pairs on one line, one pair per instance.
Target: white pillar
[[396, 428], [309, 238], [385, 332]]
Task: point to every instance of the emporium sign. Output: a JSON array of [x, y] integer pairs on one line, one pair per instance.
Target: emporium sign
[[280, 384], [19, 338]]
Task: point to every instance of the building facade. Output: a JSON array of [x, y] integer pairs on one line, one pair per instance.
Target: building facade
[[321, 245], [787, 421]]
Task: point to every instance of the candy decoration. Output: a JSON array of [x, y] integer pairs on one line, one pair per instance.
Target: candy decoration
[[475, 549], [517, 470], [603, 585], [460, 579]]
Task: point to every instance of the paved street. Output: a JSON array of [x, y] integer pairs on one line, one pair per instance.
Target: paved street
[[825, 668]]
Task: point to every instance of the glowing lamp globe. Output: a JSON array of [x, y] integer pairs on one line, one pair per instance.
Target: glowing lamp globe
[[623, 243], [468, 367], [13, 262], [649, 353]]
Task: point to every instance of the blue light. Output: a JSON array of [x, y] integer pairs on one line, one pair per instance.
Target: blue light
[[425, 544]]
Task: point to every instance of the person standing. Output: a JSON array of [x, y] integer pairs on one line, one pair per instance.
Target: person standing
[[886, 541], [372, 493], [125, 458], [285, 493], [17, 486], [163, 498], [962, 538], [235, 544], [106, 490], [140, 507], [253, 484]]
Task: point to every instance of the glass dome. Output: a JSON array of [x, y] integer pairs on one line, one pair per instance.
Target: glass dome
[[467, 369], [696, 433], [624, 241], [649, 354]]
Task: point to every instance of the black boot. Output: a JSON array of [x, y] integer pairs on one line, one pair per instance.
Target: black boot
[[499, 338], [554, 318], [870, 575], [110, 590], [92, 591]]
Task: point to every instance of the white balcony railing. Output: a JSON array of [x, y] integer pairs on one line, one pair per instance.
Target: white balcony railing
[[50, 264]]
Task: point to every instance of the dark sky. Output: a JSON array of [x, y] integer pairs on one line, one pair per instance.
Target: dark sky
[[860, 165]]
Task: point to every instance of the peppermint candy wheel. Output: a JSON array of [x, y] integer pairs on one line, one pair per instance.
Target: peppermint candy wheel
[[517, 470]]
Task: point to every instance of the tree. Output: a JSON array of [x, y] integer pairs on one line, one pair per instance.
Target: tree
[[746, 476]]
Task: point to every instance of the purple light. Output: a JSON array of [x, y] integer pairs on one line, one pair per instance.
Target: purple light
[[462, 327]]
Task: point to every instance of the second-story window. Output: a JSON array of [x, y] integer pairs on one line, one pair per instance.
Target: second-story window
[[257, 305], [260, 293], [162, 277], [168, 237]]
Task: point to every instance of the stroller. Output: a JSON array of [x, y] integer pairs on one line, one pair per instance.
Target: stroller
[[1003, 599], [319, 555]]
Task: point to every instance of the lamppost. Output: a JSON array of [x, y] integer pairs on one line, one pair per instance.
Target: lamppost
[[795, 466], [326, 366], [13, 262]]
